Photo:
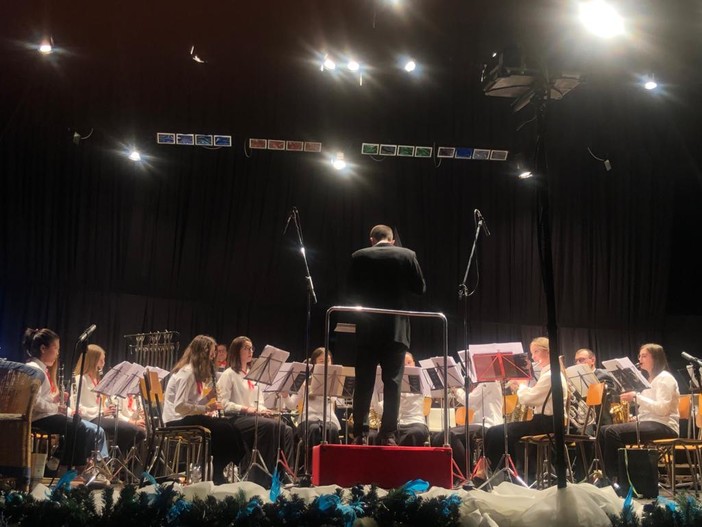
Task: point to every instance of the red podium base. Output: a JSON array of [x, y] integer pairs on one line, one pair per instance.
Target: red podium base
[[386, 466]]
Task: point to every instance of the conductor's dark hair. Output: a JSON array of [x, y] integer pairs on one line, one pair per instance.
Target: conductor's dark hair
[[381, 233]]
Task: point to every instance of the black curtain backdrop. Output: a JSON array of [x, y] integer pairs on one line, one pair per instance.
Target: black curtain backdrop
[[191, 240]]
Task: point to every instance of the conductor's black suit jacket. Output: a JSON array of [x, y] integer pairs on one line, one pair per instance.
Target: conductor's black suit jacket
[[384, 276]]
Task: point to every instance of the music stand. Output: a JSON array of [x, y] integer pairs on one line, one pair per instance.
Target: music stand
[[503, 367], [629, 379], [289, 379], [263, 371]]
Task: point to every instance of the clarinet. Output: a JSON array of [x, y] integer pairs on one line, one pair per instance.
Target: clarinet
[[214, 385], [61, 384]]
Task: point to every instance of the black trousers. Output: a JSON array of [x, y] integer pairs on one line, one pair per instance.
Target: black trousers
[[272, 435], [127, 434], [227, 443], [495, 439], [613, 437], [84, 437], [391, 357]]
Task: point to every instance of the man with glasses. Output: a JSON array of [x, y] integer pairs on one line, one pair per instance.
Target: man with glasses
[[587, 357]]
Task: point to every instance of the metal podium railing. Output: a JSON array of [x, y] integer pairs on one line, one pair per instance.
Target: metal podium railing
[[411, 314]]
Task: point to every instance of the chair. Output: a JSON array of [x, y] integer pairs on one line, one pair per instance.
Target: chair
[[543, 442], [170, 447], [19, 385], [668, 450]]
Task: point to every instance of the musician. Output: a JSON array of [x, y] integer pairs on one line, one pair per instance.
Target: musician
[[242, 401], [587, 357], [657, 410], [129, 426], [50, 413], [188, 401], [315, 410], [382, 276], [412, 429], [221, 357], [539, 397]]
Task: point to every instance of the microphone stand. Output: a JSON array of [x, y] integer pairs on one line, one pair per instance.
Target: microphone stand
[[464, 294], [305, 480], [82, 341]]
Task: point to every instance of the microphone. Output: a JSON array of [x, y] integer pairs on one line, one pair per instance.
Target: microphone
[[87, 333], [690, 358], [293, 211], [481, 220]]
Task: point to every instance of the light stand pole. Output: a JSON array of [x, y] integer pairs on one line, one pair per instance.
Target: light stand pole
[[542, 98]]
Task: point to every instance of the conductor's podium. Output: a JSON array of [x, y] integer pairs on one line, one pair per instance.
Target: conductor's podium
[[386, 466]]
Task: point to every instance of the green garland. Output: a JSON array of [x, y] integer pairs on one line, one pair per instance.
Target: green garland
[[167, 507]]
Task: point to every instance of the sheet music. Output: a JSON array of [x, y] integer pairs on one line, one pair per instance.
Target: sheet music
[[627, 376], [581, 377], [413, 381], [334, 383], [290, 377], [265, 367], [119, 379], [513, 348], [349, 375]]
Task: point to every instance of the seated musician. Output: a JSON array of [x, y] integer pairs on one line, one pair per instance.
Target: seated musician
[[243, 404], [412, 429], [189, 401], [587, 357], [129, 426], [50, 413], [314, 411], [657, 409], [539, 397]]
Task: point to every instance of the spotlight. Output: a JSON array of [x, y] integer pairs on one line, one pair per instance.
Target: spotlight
[[410, 66], [134, 155], [338, 161], [328, 63], [46, 47], [525, 174], [353, 65], [650, 83], [601, 18], [195, 56]]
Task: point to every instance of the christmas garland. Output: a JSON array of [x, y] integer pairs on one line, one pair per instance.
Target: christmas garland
[[75, 507]]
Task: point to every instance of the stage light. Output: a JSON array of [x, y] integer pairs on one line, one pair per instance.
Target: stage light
[[46, 48], [134, 155], [338, 161], [410, 66], [650, 83], [601, 18], [328, 64], [526, 174], [353, 65], [195, 56]]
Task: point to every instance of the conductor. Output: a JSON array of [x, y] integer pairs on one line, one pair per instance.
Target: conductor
[[382, 276]]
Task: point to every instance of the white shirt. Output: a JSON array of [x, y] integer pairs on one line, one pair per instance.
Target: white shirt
[[235, 392], [411, 409], [659, 403], [183, 396], [536, 395], [45, 404], [316, 407], [486, 401], [90, 401]]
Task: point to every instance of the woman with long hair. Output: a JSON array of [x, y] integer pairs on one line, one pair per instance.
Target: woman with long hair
[[243, 401], [94, 407], [50, 413], [659, 415], [189, 400]]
